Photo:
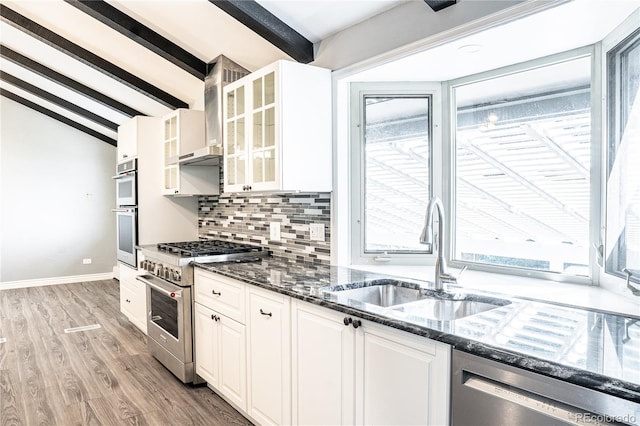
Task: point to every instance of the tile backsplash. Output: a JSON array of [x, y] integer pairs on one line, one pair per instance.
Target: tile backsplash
[[246, 218]]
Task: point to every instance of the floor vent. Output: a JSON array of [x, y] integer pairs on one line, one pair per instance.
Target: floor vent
[[83, 328], [3, 340]]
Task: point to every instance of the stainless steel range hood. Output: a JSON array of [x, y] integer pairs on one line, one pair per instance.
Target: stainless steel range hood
[[221, 71], [208, 156]]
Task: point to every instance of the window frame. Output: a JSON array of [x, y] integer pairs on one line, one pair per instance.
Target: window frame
[[358, 91], [595, 210], [614, 280]]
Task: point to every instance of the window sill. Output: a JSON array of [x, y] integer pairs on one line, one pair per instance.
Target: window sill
[[530, 288]]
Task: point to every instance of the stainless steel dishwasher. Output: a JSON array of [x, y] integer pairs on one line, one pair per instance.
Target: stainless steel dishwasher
[[486, 392]]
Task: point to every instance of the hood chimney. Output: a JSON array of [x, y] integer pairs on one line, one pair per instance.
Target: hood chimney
[[220, 72]]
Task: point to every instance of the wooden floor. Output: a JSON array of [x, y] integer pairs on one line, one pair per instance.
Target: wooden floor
[[98, 377]]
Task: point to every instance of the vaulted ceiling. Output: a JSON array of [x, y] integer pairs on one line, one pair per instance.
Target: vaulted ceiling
[[94, 64]]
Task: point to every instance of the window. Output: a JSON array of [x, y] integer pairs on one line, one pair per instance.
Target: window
[[393, 159], [623, 171], [522, 168]]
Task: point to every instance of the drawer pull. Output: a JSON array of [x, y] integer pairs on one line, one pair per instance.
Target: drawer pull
[[265, 313], [216, 293]]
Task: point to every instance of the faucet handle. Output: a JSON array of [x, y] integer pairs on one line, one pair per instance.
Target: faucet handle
[[452, 278]]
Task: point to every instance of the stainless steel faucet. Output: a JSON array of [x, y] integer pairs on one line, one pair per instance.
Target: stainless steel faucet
[[442, 274]]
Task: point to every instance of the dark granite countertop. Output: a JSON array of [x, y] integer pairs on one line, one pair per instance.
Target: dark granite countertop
[[593, 349]]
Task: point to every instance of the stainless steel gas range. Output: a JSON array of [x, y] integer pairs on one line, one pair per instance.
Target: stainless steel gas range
[[169, 282]]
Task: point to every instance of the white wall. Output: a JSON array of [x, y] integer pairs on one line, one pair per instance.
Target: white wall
[[56, 196]]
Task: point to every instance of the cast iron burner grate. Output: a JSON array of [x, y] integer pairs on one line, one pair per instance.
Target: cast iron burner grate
[[206, 248]]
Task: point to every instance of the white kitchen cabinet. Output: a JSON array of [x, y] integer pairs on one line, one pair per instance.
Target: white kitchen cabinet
[[323, 366], [369, 375], [220, 335], [128, 140], [133, 296], [269, 366], [220, 349], [183, 132], [277, 124], [401, 378], [222, 294]]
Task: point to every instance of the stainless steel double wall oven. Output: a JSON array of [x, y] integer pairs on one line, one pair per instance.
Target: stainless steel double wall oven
[[127, 211]]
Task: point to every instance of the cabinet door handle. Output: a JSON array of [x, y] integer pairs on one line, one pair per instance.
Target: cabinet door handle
[[357, 323], [216, 293], [347, 320], [265, 313], [215, 317]]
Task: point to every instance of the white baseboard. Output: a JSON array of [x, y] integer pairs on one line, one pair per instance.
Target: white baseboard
[[54, 281]]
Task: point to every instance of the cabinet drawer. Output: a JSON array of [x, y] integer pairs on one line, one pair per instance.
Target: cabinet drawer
[[221, 294]]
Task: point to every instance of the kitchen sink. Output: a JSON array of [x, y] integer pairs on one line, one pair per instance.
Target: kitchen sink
[[445, 310], [410, 299], [384, 295]]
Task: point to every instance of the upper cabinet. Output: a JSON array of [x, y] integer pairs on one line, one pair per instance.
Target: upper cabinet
[[127, 140], [184, 132], [277, 124]]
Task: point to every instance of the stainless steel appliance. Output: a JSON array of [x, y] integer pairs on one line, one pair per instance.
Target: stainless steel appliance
[[486, 392], [126, 212], [126, 183], [169, 282], [221, 71]]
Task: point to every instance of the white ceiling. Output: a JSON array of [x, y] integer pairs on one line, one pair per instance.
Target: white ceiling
[[206, 31], [567, 26], [318, 19], [197, 26]]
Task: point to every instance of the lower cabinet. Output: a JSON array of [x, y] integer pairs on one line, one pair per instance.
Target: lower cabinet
[[323, 366], [351, 371], [269, 361], [291, 362], [133, 297], [220, 351], [401, 378]]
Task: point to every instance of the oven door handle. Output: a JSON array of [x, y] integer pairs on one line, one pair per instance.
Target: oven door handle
[[124, 210], [160, 286], [124, 175]]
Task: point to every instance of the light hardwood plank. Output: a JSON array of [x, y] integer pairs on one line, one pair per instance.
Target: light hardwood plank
[[12, 412], [97, 377]]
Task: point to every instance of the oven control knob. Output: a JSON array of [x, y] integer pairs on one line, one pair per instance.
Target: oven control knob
[[157, 270], [177, 276]]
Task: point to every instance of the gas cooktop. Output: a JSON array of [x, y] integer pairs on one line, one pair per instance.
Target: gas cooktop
[[206, 248]]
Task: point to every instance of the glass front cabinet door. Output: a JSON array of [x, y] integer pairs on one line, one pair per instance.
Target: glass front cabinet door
[[251, 153], [235, 159], [263, 135], [278, 129], [170, 141]]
